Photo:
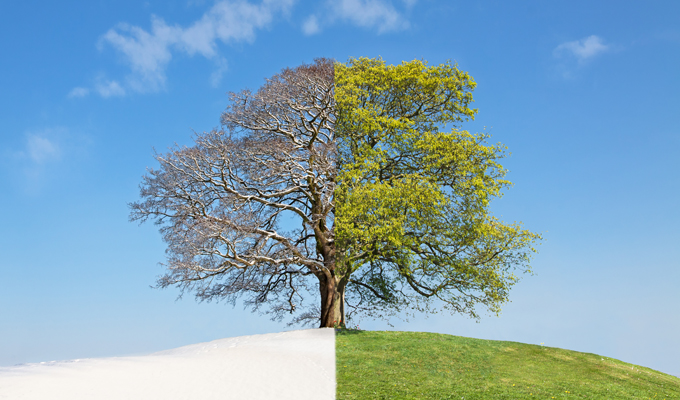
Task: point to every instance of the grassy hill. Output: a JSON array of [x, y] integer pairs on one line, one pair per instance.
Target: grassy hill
[[417, 365]]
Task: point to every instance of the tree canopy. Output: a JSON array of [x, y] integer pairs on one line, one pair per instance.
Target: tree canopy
[[412, 202], [351, 180]]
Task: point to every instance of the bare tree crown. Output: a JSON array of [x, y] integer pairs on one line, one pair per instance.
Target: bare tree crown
[[225, 204]]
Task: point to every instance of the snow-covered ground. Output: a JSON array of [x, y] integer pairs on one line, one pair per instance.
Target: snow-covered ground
[[289, 365]]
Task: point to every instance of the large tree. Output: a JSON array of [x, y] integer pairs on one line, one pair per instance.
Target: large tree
[[339, 178]]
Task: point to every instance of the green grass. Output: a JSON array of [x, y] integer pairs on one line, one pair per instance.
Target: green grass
[[418, 365]]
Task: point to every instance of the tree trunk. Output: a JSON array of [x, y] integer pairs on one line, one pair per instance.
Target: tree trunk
[[332, 291]]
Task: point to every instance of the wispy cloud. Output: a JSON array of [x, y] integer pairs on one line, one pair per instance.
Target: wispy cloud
[[373, 14], [79, 92], [43, 156], [370, 13], [311, 25], [40, 154], [40, 149], [107, 88], [148, 52], [216, 76], [583, 50]]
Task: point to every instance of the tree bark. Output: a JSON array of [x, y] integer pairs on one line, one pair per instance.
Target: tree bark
[[332, 290]]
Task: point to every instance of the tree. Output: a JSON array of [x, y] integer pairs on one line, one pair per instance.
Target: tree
[[337, 178]]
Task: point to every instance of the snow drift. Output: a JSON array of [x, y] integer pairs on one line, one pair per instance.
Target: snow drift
[[289, 365]]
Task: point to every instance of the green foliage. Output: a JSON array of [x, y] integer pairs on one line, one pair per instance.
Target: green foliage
[[411, 212], [418, 365]]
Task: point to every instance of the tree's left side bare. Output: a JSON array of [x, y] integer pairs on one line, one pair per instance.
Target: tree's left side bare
[[248, 210]]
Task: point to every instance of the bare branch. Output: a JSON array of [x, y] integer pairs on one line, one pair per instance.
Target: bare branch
[[248, 209]]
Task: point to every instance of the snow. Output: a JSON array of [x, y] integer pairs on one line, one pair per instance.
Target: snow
[[287, 365]]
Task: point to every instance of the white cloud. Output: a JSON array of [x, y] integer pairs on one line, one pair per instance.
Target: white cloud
[[377, 14], [44, 156], [370, 14], [216, 76], [583, 49], [107, 88], [79, 92], [311, 25], [40, 149], [149, 52]]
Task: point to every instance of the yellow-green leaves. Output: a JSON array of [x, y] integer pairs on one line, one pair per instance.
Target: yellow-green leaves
[[413, 189]]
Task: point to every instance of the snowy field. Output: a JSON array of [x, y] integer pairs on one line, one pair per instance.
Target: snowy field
[[288, 365]]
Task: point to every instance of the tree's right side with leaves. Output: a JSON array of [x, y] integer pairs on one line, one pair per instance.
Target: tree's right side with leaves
[[412, 202]]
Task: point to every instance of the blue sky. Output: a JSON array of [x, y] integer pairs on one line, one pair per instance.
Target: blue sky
[[584, 93]]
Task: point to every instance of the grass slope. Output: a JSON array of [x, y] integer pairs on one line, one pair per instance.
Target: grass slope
[[418, 365]]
